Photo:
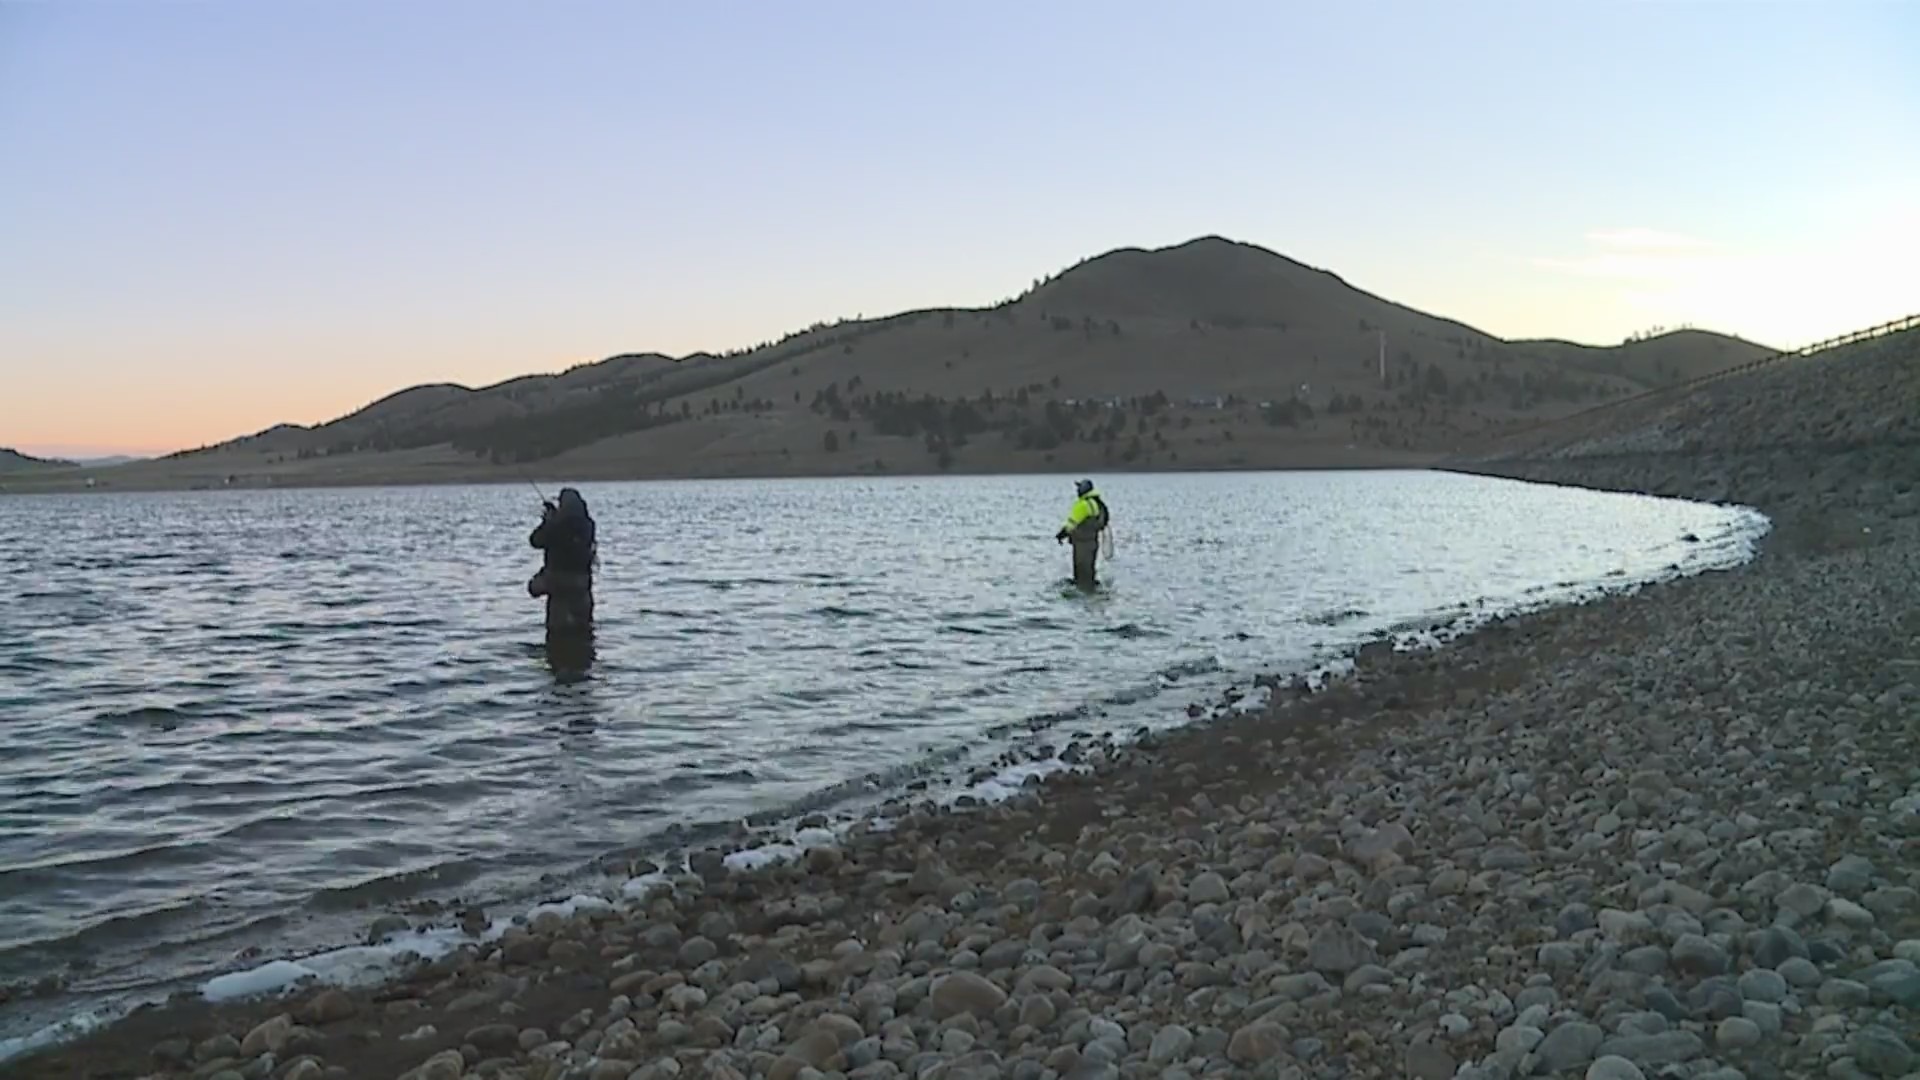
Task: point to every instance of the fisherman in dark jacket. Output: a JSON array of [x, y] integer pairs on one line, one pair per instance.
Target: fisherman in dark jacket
[[566, 537]]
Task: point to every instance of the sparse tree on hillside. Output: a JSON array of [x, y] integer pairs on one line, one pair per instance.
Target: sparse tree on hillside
[[831, 442]]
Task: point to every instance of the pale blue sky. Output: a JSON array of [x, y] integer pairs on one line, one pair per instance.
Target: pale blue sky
[[216, 215]]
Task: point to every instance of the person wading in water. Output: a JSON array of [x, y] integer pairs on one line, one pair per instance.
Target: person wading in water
[[566, 537], [1085, 522]]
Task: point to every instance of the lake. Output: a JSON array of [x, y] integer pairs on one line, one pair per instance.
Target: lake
[[240, 724]]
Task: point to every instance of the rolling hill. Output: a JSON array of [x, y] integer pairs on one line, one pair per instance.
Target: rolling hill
[[13, 461], [1208, 354]]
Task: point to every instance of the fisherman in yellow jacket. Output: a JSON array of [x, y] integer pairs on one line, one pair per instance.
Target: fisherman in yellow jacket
[[1085, 522]]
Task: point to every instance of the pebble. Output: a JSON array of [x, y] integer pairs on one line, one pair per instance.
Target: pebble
[[1428, 1061], [1737, 1033], [1208, 888], [1613, 1067], [1851, 876], [1570, 1046], [1880, 1052], [328, 1007], [1696, 955], [1170, 1044], [269, 1037], [1759, 984], [1801, 972], [964, 992], [1256, 1044], [1843, 994]]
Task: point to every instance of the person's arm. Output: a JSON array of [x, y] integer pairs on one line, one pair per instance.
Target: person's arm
[[539, 537], [1080, 512]]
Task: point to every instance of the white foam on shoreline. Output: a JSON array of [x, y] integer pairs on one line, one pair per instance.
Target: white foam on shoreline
[[747, 860], [351, 966], [639, 888], [73, 1027], [1004, 784], [578, 904]]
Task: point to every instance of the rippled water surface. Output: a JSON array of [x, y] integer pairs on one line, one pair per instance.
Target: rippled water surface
[[239, 720]]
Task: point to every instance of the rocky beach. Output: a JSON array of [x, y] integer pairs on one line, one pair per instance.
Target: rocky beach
[[1669, 834]]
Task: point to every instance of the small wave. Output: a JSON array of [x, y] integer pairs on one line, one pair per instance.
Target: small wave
[[1189, 668], [336, 603], [816, 696], [862, 727], [693, 778], [1037, 723], [1134, 631], [165, 717], [1335, 616], [834, 611], [54, 594], [387, 888], [132, 924]]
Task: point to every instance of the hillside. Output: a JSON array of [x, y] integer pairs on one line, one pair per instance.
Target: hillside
[[1209, 354], [1801, 434], [13, 461]]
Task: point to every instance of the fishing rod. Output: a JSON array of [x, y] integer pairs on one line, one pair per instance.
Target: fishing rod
[[528, 477]]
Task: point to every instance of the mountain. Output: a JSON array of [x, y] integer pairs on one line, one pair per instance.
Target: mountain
[[12, 461], [1208, 354], [108, 461]]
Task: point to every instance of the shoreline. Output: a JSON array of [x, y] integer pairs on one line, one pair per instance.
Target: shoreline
[[904, 909], [40, 484]]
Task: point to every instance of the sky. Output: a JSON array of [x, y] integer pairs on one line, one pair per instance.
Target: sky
[[218, 215]]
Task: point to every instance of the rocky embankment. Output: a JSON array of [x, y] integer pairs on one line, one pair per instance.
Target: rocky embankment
[[1669, 835], [1825, 444]]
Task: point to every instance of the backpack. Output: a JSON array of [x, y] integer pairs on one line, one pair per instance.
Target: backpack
[[1104, 518]]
